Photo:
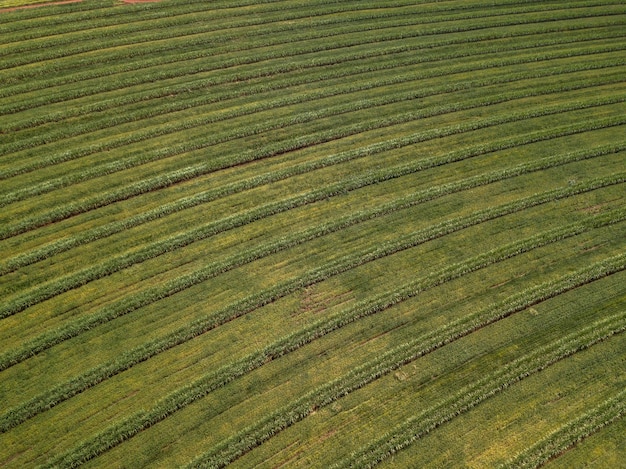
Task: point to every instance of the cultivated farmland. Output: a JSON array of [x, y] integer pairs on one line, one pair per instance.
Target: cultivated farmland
[[319, 233]]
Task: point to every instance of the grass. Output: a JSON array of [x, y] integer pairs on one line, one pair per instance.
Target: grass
[[312, 233]]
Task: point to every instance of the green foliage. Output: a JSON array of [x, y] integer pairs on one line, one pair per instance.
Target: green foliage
[[207, 204], [96, 375], [571, 433]]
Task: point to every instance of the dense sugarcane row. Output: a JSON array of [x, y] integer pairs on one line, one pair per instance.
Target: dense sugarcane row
[[247, 439], [99, 13], [79, 45], [190, 172], [132, 425], [23, 165], [148, 296], [94, 234], [477, 392], [159, 53], [281, 123], [75, 280], [377, 61], [171, 15], [117, 118], [377, 48], [96, 375], [28, 141], [281, 84], [283, 21], [570, 434]]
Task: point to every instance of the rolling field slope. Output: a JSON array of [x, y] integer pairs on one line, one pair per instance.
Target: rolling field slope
[[320, 233]]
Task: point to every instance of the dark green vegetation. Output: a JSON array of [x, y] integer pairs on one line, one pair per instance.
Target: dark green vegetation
[[321, 233]]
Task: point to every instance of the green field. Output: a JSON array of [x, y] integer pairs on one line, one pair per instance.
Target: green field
[[320, 233]]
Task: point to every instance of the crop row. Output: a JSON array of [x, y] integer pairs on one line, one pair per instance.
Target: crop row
[[96, 375], [204, 21], [281, 123], [165, 180], [151, 295], [112, 228], [376, 63], [255, 435], [71, 281], [202, 46], [114, 119], [134, 424], [169, 15], [39, 53], [472, 395], [381, 49], [20, 167], [405, 353], [570, 434], [256, 29]]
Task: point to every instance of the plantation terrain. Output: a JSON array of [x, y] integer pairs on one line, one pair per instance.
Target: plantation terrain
[[313, 233]]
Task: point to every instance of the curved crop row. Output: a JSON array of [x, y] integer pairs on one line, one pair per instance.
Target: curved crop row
[[343, 264], [285, 68], [477, 392], [403, 354], [19, 167], [71, 281], [110, 229], [170, 15], [255, 435], [162, 53], [99, 374], [80, 47], [262, 32], [165, 180], [169, 107], [570, 434], [134, 424], [204, 22], [283, 54], [282, 123]]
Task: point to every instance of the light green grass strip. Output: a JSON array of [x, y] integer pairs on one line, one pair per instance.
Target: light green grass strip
[[472, 395], [248, 438], [570, 434], [64, 391]]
